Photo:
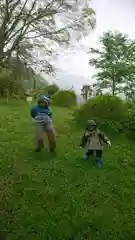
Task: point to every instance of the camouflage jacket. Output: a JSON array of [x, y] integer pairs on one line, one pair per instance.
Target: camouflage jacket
[[93, 140]]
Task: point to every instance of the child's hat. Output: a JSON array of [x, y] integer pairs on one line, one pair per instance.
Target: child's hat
[[90, 123], [44, 98]]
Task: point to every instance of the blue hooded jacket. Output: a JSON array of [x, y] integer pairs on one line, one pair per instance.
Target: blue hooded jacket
[[36, 110]]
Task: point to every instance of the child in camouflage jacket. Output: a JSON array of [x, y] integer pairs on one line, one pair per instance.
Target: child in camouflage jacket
[[93, 140]]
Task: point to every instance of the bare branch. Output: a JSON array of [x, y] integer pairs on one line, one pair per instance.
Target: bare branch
[[16, 21], [40, 23]]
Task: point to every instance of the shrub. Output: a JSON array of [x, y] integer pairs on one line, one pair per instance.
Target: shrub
[[64, 98], [130, 105], [108, 111], [129, 123]]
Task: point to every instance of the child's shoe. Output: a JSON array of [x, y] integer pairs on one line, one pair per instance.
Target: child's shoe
[[99, 162], [40, 146], [52, 150], [86, 157], [38, 150]]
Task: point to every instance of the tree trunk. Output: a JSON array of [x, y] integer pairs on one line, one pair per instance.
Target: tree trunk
[[7, 96], [113, 86]]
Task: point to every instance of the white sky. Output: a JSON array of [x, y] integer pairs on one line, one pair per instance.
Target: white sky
[[110, 15]]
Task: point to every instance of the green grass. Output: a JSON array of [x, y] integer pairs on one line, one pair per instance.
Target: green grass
[[46, 198]]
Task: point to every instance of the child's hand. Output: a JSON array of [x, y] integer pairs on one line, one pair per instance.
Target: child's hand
[[109, 143], [80, 147]]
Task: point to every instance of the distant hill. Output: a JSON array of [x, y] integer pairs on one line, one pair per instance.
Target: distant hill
[[26, 74]]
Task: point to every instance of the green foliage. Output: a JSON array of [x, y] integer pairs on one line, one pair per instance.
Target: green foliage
[[129, 123], [64, 98], [130, 105], [115, 63], [8, 85], [108, 111], [51, 89]]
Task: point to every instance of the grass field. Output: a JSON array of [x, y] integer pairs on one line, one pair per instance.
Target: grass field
[[64, 198]]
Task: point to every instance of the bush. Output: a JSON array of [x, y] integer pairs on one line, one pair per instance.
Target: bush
[[108, 111], [130, 105], [129, 123], [64, 98]]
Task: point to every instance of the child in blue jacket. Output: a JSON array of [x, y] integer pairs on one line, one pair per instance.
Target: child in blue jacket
[[42, 116]]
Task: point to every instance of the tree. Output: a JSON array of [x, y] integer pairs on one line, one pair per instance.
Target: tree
[[129, 88], [86, 92], [33, 81], [51, 89], [8, 86], [115, 62], [30, 26], [96, 90]]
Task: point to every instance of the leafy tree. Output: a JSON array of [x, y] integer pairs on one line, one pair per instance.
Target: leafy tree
[[26, 26], [20, 70], [129, 87], [115, 62], [51, 89]]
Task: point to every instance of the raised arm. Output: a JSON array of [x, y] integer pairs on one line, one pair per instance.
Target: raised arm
[[104, 138], [84, 140]]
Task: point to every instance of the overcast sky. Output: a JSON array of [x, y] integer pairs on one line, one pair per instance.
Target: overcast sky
[[110, 15]]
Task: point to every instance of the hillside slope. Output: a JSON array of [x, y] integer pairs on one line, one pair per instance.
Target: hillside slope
[[45, 197]]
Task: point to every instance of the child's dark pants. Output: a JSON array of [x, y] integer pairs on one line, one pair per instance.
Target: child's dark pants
[[98, 156]]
